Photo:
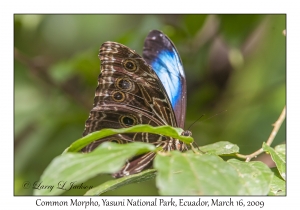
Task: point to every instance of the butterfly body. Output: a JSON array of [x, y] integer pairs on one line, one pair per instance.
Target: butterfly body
[[133, 90]]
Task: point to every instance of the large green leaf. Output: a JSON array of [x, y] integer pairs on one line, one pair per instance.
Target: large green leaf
[[191, 174], [255, 176], [278, 185], [107, 158], [163, 130], [278, 156], [220, 148], [116, 183]]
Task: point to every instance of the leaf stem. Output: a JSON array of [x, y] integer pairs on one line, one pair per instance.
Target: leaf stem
[[276, 125]]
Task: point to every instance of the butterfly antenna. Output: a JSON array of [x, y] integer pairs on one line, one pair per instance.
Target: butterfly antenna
[[191, 144], [195, 122], [215, 115]]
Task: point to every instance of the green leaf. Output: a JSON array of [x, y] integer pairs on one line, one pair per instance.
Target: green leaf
[[107, 158], [116, 183], [278, 156], [163, 130], [191, 174], [280, 149], [220, 148], [255, 176], [278, 185]]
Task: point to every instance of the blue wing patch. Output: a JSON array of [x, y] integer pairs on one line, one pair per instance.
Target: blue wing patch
[[168, 68], [161, 54]]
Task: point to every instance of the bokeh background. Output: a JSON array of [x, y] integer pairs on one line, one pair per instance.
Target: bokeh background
[[235, 69]]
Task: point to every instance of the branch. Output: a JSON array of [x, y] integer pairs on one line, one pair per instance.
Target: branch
[[276, 125]]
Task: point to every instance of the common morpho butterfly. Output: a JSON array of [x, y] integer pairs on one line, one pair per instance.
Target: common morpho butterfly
[[136, 90]]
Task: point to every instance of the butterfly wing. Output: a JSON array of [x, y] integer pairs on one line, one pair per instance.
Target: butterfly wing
[[129, 93], [161, 54]]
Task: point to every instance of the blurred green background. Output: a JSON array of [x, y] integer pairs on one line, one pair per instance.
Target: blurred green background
[[232, 62]]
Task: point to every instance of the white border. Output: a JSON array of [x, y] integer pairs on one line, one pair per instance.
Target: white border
[[8, 8]]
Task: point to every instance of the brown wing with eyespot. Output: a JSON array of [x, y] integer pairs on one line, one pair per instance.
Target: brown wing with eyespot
[[129, 93]]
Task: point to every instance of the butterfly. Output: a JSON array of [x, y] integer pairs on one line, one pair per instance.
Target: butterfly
[[136, 90]]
